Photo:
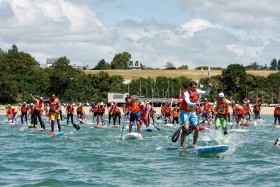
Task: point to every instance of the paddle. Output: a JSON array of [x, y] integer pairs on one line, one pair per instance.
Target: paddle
[[176, 135], [122, 131], [77, 127], [155, 126]]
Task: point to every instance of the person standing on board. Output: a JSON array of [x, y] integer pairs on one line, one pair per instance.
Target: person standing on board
[[188, 115], [70, 112], [239, 115], [206, 112], [257, 110], [80, 113], [38, 110], [277, 114], [247, 109], [54, 115], [116, 114], [24, 111], [110, 112], [100, 114], [221, 110], [152, 112], [143, 114], [133, 107], [175, 115]]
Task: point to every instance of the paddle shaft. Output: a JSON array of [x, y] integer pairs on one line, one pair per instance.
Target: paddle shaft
[[122, 131]]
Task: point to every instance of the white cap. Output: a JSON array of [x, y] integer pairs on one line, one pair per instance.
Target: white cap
[[248, 101], [112, 103], [142, 103], [221, 94], [101, 103], [32, 104], [24, 102]]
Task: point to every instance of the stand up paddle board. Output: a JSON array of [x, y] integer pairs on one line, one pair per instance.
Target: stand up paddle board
[[201, 150], [56, 133], [133, 136], [239, 130]]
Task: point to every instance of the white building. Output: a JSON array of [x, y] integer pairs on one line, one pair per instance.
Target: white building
[[51, 61], [117, 97], [134, 63]]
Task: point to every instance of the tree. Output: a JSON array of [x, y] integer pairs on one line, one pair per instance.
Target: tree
[[278, 65], [233, 78], [169, 65], [60, 74], [120, 61], [102, 65], [273, 65], [183, 67]]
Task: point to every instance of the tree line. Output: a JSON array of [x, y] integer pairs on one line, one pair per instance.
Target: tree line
[[20, 75]]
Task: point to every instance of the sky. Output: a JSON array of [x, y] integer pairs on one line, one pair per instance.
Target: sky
[[212, 33]]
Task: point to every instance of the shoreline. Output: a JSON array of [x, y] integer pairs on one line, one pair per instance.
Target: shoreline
[[264, 110]]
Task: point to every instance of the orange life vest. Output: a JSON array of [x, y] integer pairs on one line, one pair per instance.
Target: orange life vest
[[53, 105], [194, 99], [80, 109], [39, 105], [133, 107], [239, 110], [70, 109], [175, 113], [246, 107], [116, 110], [24, 109], [222, 109], [14, 110], [207, 108]]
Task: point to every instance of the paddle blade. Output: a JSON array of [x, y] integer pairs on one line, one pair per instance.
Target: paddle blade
[[176, 136], [77, 127]]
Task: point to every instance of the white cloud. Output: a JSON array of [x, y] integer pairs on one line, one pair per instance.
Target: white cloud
[[216, 34], [195, 25]]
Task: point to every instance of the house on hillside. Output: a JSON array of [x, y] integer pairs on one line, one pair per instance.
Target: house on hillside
[[51, 61], [134, 63]]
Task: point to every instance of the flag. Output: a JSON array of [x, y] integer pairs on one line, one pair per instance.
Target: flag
[[209, 74]]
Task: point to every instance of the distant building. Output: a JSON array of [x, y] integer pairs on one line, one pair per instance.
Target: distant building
[[81, 67], [134, 63], [117, 97], [51, 61]]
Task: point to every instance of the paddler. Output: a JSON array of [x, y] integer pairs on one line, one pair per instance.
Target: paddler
[[132, 106], [188, 117], [221, 110]]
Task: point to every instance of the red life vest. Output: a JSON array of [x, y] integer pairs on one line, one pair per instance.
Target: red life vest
[[24, 109], [194, 99], [70, 109], [39, 105], [277, 111], [53, 105]]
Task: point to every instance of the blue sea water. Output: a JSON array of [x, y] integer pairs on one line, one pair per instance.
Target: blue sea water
[[98, 157]]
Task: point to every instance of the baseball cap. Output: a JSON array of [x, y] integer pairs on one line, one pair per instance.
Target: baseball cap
[[221, 94]]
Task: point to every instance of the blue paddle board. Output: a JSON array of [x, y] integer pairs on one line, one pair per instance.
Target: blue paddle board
[[56, 133], [203, 149]]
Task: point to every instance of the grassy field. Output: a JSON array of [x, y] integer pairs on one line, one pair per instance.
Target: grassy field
[[192, 74]]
